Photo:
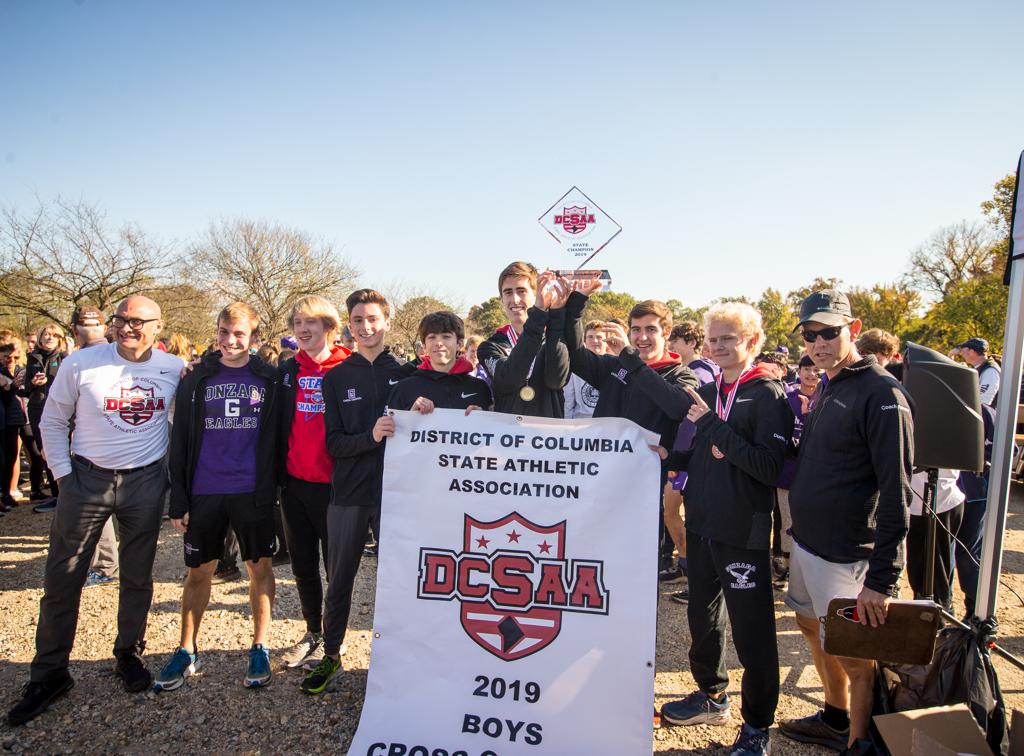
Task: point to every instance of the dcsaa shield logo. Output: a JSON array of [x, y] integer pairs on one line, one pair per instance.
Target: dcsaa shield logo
[[513, 583]]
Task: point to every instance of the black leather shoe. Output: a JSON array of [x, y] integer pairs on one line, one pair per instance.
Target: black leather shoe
[[36, 698], [133, 673]]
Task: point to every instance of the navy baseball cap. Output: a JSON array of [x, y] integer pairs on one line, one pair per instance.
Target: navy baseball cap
[[977, 344], [828, 307], [289, 342]]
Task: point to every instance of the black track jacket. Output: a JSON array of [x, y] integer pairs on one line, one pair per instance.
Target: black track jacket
[[730, 500], [457, 389], [653, 398], [187, 432], [851, 495], [355, 394], [508, 367]]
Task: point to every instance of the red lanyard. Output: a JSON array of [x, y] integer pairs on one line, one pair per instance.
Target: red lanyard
[[723, 412]]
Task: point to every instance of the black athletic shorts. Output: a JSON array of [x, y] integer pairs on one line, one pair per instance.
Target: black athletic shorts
[[209, 518]]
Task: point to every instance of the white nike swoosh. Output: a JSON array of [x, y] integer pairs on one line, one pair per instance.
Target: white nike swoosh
[[466, 396], [744, 400], [391, 382]]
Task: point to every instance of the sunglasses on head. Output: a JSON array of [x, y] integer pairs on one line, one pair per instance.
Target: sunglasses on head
[[825, 333]]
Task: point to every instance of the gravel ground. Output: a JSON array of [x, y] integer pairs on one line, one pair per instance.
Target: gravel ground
[[215, 713]]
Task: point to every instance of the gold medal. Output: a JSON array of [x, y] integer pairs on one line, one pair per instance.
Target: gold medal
[[526, 393], [716, 453]]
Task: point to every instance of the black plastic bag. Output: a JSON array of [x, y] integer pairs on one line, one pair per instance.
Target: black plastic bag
[[960, 672]]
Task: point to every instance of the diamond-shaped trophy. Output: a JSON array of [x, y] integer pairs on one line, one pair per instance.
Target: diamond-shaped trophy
[[582, 229]]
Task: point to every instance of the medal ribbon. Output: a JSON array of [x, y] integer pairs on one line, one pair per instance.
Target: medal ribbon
[[723, 412], [513, 339]]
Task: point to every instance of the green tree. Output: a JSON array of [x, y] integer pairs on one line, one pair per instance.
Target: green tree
[[951, 255], [974, 307], [681, 312], [483, 319], [796, 296], [777, 319], [605, 305], [407, 314], [999, 209], [892, 307]]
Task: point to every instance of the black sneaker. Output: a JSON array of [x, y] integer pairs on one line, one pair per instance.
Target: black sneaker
[[36, 698], [133, 673], [670, 575], [226, 575], [47, 505], [38, 496], [680, 597]]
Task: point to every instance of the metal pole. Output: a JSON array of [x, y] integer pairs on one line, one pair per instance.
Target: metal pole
[[928, 510], [1006, 421]]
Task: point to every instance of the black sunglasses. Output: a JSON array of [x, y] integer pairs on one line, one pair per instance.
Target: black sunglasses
[[825, 333]]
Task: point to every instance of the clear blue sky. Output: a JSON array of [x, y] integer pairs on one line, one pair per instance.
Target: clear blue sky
[[740, 145]]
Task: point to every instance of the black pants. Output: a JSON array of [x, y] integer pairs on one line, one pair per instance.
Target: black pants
[[348, 537], [9, 480], [743, 578], [917, 554], [35, 449], [304, 506], [967, 550]]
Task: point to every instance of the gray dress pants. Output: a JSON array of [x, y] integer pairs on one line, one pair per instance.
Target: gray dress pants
[[88, 498]]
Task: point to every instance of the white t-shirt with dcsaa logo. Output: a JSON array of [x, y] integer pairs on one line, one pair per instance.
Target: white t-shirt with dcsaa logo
[[119, 409]]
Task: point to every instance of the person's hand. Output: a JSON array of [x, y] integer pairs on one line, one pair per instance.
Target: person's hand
[[805, 404], [562, 288], [39, 379], [189, 366], [872, 607], [19, 379], [422, 405], [472, 407], [661, 451], [588, 286], [698, 409], [615, 338], [383, 428], [543, 295], [181, 525]]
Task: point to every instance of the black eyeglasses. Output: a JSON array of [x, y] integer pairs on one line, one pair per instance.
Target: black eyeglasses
[[135, 323], [825, 333]]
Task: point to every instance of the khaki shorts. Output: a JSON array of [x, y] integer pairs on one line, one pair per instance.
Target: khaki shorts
[[814, 582]]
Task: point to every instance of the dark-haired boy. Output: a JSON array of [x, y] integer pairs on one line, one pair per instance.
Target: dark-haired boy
[[355, 395], [527, 372], [638, 378], [442, 377]]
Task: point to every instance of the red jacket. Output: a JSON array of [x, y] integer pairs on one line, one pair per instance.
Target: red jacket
[[307, 457]]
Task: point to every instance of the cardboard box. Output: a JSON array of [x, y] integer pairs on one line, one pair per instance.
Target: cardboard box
[[951, 727]]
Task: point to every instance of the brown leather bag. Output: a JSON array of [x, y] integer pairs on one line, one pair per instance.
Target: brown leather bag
[[907, 637]]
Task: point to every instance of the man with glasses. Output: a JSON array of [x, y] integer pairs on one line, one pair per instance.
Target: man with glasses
[[849, 502], [117, 396]]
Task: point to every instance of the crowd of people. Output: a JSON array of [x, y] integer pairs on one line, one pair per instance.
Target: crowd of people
[[790, 473]]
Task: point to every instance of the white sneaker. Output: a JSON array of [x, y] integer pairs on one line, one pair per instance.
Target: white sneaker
[[311, 647]]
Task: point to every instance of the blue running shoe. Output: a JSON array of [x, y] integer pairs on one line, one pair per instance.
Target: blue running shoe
[[696, 708], [258, 674], [179, 666], [752, 741]]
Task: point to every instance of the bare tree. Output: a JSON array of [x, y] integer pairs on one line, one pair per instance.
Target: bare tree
[[64, 255], [951, 255], [269, 266]]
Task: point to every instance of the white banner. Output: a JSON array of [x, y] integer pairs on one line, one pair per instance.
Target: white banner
[[516, 589]]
